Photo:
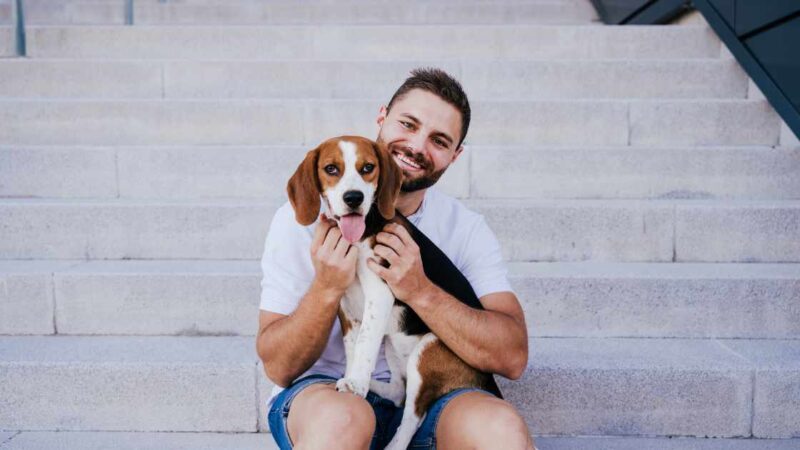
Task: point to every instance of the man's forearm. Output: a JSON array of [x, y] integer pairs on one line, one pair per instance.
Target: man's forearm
[[289, 346], [486, 340]]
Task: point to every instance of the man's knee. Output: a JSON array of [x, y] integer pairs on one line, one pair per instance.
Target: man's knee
[[504, 424], [332, 418], [484, 422]]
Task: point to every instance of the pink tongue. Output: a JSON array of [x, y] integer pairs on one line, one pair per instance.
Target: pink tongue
[[352, 226]]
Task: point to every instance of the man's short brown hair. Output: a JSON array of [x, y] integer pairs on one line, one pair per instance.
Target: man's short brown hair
[[438, 82]]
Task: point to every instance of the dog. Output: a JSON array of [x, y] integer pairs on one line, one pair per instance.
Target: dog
[[359, 182]]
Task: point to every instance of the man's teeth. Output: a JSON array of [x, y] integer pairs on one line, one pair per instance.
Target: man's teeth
[[408, 162]]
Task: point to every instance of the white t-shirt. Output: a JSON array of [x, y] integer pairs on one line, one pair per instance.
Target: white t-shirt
[[461, 234]]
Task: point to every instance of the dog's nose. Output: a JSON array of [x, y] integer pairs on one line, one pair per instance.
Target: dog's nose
[[353, 198]]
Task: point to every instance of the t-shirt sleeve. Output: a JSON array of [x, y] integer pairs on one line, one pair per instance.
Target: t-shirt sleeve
[[286, 264], [482, 261]]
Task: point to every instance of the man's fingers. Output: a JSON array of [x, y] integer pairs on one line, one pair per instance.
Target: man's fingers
[[386, 253], [401, 233], [341, 247], [332, 240], [390, 240], [377, 268], [320, 231]]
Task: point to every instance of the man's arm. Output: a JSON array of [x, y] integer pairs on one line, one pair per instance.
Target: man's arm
[[493, 340], [289, 345]]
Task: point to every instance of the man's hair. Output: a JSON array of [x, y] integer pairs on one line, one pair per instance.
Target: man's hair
[[439, 83]]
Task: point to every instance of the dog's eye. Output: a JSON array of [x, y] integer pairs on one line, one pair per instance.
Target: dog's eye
[[330, 169], [368, 168]]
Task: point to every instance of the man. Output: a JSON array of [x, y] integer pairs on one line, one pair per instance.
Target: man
[[424, 126]]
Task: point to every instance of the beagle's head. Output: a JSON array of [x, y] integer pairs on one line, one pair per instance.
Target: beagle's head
[[351, 174]]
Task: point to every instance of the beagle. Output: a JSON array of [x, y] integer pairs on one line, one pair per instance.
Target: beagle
[[359, 183]]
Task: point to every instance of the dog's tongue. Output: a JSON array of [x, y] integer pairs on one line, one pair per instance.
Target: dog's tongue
[[352, 227]]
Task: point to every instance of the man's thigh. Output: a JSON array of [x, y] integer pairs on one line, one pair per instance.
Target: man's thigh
[[475, 419]]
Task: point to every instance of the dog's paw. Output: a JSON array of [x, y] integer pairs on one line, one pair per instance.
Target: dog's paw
[[358, 387]]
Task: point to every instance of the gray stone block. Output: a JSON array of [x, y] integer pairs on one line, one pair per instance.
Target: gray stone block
[[659, 300], [49, 12], [207, 171], [776, 409], [573, 230], [8, 42], [291, 79], [125, 383], [585, 79], [133, 230], [26, 296], [264, 386], [625, 172], [590, 123], [99, 440], [151, 122], [634, 387], [57, 172], [28, 78], [326, 13], [788, 138], [365, 42], [738, 231], [663, 443], [703, 123], [159, 297]]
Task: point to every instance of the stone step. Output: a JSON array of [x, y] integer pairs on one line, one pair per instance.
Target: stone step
[[155, 12], [207, 298], [307, 122], [509, 80], [69, 12], [8, 42], [367, 42], [100, 440], [652, 387], [261, 172], [216, 12], [528, 230]]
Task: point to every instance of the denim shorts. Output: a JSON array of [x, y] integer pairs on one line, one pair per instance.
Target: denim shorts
[[387, 415]]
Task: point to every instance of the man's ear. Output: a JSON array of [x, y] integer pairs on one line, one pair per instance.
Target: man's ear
[[458, 152], [304, 191], [381, 116], [391, 177]]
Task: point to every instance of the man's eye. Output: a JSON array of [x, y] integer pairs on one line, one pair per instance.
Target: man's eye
[[368, 168], [330, 169], [440, 143], [406, 124]]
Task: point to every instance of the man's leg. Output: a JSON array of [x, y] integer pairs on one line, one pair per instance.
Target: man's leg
[[480, 420], [321, 418], [311, 414]]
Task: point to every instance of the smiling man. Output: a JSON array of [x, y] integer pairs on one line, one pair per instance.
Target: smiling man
[[305, 276]]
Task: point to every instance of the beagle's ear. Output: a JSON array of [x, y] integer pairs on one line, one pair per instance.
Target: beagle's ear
[[303, 189], [391, 177]]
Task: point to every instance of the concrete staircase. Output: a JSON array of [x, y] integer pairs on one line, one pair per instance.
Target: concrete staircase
[[647, 197]]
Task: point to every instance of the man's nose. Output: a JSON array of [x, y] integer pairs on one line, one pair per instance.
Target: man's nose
[[353, 199]]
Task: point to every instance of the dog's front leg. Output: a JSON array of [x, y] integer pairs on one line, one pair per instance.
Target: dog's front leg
[[378, 302]]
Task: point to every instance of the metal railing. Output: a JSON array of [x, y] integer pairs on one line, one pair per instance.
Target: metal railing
[[18, 16]]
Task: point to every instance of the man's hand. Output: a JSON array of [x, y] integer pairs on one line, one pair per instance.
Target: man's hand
[[334, 258], [405, 275]]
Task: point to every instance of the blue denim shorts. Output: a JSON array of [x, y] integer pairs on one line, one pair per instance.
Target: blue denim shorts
[[387, 415]]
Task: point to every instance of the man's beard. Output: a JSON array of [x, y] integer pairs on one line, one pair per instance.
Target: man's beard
[[423, 181]]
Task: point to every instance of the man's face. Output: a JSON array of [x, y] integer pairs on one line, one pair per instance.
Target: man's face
[[421, 132]]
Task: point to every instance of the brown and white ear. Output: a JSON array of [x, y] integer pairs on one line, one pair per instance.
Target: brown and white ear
[[391, 177], [304, 191]]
